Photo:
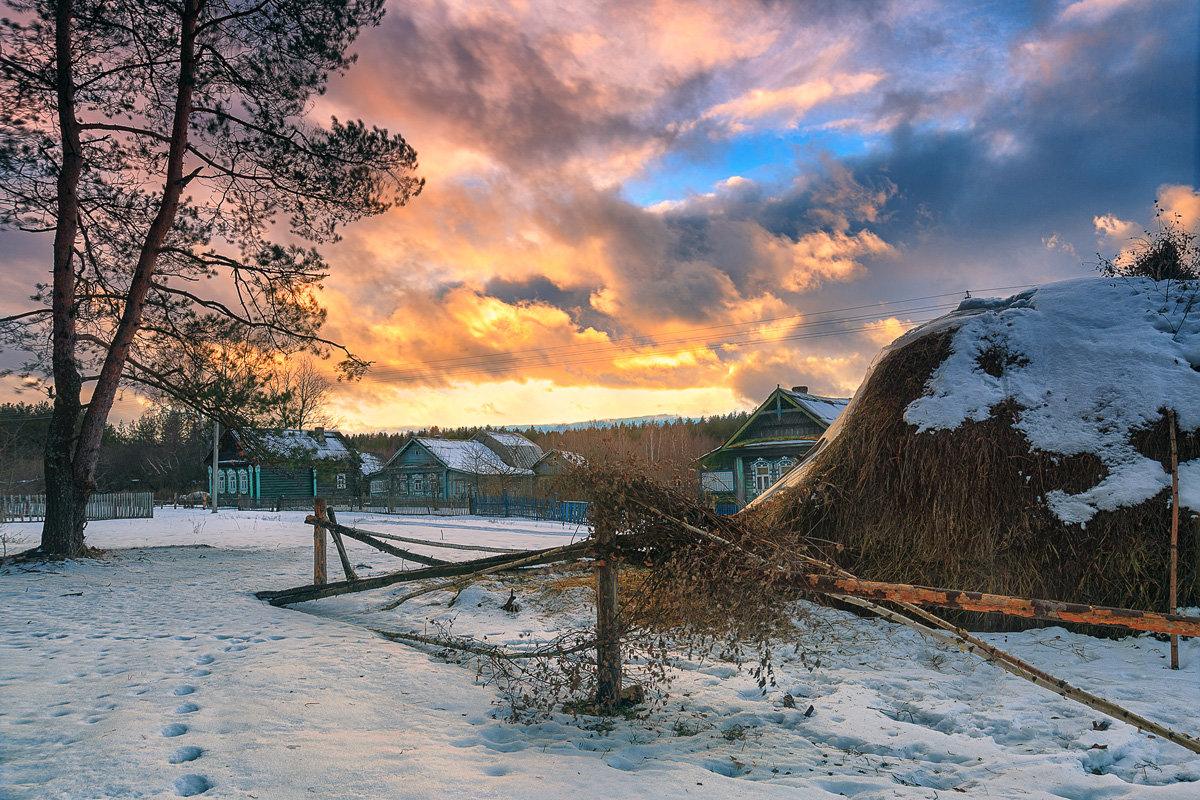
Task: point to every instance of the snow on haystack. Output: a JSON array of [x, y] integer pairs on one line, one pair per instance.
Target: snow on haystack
[[1087, 362], [1018, 445]]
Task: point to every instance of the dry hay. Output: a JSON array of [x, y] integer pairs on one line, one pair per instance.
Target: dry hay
[[965, 509]]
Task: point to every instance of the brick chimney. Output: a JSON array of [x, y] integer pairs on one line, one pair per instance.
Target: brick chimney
[[319, 433]]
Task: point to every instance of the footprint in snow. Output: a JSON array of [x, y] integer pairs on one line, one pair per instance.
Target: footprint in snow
[[191, 785], [180, 691], [204, 659], [173, 730], [185, 754], [187, 708]]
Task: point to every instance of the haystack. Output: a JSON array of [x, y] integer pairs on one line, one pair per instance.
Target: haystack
[[1019, 446]]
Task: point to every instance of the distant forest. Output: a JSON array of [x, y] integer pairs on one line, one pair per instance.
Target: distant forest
[[163, 450]]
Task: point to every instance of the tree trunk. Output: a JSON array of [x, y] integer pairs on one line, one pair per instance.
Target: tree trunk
[[66, 500]]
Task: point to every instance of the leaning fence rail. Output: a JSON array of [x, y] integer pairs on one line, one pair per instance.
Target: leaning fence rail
[[122, 505]]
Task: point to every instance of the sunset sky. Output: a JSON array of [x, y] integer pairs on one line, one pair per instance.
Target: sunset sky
[[670, 207]]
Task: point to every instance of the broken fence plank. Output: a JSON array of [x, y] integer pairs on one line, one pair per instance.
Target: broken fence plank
[[448, 545], [300, 594], [369, 539], [347, 567]]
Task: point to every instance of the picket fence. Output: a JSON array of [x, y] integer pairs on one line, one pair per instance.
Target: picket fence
[[122, 505]]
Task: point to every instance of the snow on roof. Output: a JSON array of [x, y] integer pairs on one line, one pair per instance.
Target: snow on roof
[[512, 448], [328, 446], [1088, 362], [510, 439], [825, 409], [369, 463], [573, 459], [469, 456]]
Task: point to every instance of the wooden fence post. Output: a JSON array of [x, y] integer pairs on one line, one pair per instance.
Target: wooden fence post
[[608, 642], [319, 572], [1173, 601]]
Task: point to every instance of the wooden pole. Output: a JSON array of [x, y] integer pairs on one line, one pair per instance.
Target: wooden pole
[[608, 643], [1051, 610], [1173, 601], [953, 635], [341, 548], [319, 575]]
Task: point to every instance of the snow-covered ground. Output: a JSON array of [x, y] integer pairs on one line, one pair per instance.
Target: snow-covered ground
[[153, 672]]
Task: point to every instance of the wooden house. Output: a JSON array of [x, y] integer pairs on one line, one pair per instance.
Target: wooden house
[[261, 467], [489, 463], [777, 436], [550, 468]]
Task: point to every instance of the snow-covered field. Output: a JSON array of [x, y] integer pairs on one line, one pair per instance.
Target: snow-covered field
[[153, 672]]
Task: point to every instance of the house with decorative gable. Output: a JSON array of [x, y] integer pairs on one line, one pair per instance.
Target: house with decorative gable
[[490, 462], [775, 439], [256, 468]]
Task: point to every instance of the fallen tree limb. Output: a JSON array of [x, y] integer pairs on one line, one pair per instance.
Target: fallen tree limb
[[480, 650], [369, 539], [474, 576], [300, 594], [1050, 610]]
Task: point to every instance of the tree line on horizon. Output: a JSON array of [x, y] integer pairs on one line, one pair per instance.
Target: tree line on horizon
[[163, 450]]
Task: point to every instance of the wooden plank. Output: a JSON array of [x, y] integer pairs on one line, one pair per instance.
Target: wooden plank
[[1051, 610]]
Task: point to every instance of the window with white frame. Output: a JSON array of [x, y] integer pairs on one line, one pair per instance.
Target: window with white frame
[[377, 486], [418, 484], [762, 476], [784, 466], [341, 480], [220, 481]]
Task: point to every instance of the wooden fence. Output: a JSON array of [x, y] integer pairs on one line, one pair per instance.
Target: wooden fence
[[123, 505]]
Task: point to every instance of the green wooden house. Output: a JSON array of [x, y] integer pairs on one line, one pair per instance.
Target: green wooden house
[[489, 463], [777, 436], [260, 468]]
